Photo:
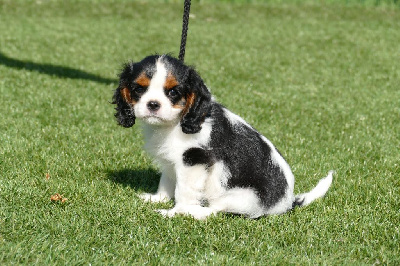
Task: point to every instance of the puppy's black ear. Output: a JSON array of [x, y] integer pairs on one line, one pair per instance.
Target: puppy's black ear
[[122, 98], [198, 103]]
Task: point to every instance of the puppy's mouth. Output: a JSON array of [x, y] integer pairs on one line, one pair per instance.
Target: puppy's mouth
[[153, 119]]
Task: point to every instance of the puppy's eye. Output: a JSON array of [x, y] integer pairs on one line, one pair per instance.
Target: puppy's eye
[[139, 90], [172, 93]]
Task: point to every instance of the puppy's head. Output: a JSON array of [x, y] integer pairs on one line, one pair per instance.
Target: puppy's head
[[161, 90]]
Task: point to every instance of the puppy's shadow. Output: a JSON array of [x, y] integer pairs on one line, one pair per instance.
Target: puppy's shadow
[[141, 180]]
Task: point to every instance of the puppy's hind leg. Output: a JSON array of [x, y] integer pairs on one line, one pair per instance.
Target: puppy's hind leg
[[242, 201], [166, 187]]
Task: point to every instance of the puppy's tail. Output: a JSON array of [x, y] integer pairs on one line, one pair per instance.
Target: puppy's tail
[[317, 192]]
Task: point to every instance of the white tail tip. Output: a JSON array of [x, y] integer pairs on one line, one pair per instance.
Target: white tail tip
[[317, 192]]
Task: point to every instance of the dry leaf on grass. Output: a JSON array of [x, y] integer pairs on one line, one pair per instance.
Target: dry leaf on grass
[[58, 197]]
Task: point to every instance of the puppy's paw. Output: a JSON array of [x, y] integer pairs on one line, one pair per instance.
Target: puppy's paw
[[166, 213], [202, 214], [197, 212], [158, 197]]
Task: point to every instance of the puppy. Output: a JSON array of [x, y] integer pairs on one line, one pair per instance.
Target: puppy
[[211, 159]]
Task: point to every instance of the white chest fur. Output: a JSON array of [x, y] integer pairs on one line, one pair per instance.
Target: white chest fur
[[168, 143]]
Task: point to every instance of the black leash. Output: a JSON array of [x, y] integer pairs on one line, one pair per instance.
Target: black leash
[[185, 27]]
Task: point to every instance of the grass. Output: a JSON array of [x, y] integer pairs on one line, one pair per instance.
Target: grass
[[320, 80]]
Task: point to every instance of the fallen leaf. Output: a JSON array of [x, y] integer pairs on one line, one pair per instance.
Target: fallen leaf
[[56, 197]]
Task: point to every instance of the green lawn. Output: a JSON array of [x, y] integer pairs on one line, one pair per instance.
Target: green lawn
[[321, 80]]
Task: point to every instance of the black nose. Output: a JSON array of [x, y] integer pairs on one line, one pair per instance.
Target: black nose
[[153, 105]]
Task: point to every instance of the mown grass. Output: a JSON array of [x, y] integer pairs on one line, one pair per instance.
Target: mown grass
[[320, 80]]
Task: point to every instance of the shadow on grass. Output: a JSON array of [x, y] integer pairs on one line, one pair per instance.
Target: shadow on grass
[[144, 180], [52, 70]]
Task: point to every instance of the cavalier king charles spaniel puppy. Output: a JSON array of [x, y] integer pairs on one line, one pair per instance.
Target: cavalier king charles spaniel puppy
[[211, 159]]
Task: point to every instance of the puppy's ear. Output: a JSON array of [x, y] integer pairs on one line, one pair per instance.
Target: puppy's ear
[[198, 104], [122, 98]]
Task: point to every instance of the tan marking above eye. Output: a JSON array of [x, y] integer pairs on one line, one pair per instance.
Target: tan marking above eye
[[170, 82], [143, 80]]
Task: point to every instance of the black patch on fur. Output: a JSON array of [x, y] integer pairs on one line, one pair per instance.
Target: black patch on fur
[[195, 156], [248, 158]]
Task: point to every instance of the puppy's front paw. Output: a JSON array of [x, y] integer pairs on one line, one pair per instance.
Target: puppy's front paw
[[166, 213], [158, 197], [202, 214], [197, 212]]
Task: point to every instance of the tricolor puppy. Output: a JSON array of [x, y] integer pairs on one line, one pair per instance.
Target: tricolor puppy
[[211, 159]]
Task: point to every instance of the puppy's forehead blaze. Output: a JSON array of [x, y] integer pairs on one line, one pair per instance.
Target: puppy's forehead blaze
[[143, 80], [170, 82]]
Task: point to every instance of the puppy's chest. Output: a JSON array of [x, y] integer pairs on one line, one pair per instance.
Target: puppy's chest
[[170, 143]]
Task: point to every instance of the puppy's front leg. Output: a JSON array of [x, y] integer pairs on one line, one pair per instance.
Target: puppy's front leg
[[166, 187], [189, 192]]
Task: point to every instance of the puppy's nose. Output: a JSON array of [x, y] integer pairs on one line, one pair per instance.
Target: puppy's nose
[[153, 105]]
